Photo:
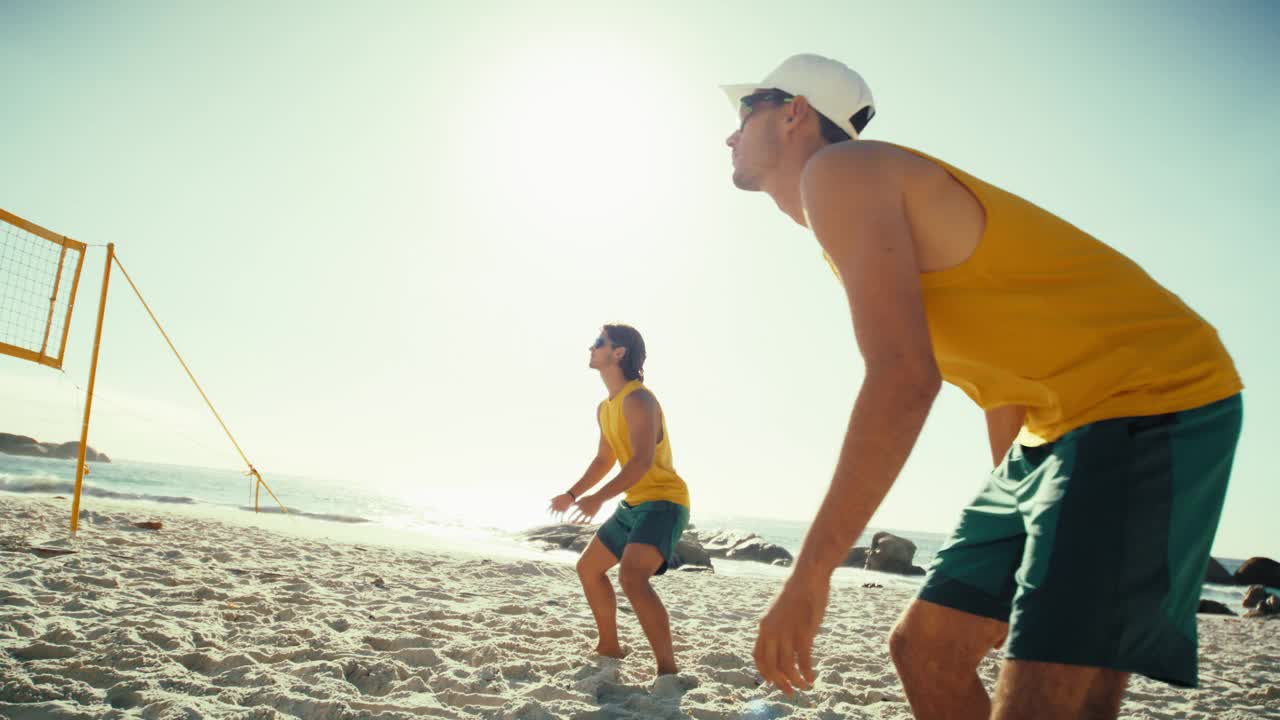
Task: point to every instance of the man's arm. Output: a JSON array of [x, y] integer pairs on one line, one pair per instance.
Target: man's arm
[[599, 466], [1003, 424], [855, 204], [641, 411]]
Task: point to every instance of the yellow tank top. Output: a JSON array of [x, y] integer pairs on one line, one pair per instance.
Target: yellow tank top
[[661, 482], [1045, 316]]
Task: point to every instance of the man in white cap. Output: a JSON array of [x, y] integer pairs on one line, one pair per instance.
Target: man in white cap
[[1112, 411]]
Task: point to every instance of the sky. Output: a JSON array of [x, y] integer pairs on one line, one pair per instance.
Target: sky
[[384, 236]]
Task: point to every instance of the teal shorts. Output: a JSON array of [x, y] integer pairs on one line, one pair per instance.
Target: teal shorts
[[1093, 548], [658, 523]]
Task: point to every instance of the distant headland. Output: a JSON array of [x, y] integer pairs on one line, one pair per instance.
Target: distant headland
[[30, 447]]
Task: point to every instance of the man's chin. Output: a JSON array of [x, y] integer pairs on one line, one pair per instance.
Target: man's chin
[[743, 182]]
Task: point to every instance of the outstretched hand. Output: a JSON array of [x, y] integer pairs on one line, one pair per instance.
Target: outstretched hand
[[784, 645], [586, 508], [560, 503]]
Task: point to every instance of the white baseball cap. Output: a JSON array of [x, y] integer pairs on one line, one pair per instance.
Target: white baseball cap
[[830, 86]]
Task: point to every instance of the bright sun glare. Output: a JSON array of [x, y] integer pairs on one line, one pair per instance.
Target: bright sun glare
[[559, 131]]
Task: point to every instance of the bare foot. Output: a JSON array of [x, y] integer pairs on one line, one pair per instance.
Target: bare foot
[[611, 651]]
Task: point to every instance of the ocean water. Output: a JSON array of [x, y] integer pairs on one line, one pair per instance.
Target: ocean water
[[360, 512], [320, 508]]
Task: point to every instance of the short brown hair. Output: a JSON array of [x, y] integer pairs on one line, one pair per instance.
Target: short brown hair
[[625, 336]]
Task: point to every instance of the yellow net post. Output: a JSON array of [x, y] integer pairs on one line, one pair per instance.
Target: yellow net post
[[88, 394]]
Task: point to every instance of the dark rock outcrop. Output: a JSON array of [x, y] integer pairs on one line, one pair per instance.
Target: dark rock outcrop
[[1213, 607], [30, 447], [857, 557], [892, 554], [1255, 596], [732, 545], [689, 552], [564, 536], [1259, 571], [21, 445], [1271, 606], [1215, 573], [71, 451], [1260, 602]]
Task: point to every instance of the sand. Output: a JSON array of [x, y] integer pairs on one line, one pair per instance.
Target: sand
[[209, 619]]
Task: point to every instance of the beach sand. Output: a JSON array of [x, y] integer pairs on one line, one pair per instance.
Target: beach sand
[[206, 619]]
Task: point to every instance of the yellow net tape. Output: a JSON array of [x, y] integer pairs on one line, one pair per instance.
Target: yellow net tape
[[39, 275]]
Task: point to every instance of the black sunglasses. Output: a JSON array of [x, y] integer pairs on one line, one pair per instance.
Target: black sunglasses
[[748, 102], [599, 343], [774, 96], [859, 119]]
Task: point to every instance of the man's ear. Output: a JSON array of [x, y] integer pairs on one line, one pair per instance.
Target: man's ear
[[619, 353], [799, 108], [794, 113]]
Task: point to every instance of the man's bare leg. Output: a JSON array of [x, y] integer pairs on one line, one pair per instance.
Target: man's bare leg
[[639, 563], [593, 568], [1105, 695], [936, 651], [1049, 691]]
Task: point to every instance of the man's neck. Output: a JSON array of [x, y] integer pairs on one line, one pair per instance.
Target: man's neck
[[790, 202], [613, 380], [783, 185], [784, 188]]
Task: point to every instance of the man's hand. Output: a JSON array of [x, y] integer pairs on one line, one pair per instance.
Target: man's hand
[[560, 503], [784, 646], [587, 507]]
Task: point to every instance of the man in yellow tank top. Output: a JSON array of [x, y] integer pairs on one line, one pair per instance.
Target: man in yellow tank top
[[641, 535], [1112, 410]]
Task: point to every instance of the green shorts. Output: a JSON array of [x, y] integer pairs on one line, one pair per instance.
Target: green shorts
[[658, 523], [1093, 548]]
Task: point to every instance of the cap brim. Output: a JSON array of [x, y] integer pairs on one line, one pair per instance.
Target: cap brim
[[735, 93]]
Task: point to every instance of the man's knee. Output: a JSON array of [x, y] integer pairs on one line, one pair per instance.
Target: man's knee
[[899, 641], [595, 561], [928, 634], [634, 578], [913, 644]]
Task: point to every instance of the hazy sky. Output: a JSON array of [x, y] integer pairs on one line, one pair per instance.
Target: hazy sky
[[385, 235]]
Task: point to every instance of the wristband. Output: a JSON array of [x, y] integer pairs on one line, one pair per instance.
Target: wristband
[[570, 494]]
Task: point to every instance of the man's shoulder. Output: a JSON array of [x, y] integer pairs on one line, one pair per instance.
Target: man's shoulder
[[882, 162], [639, 397], [868, 154], [640, 400]]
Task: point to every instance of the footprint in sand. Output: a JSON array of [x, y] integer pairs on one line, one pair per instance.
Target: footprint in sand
[[760, 709], [724, 660], [513, 609], [671, 687], [43, 651], [612, 693], [124, 696], [589, 678]]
